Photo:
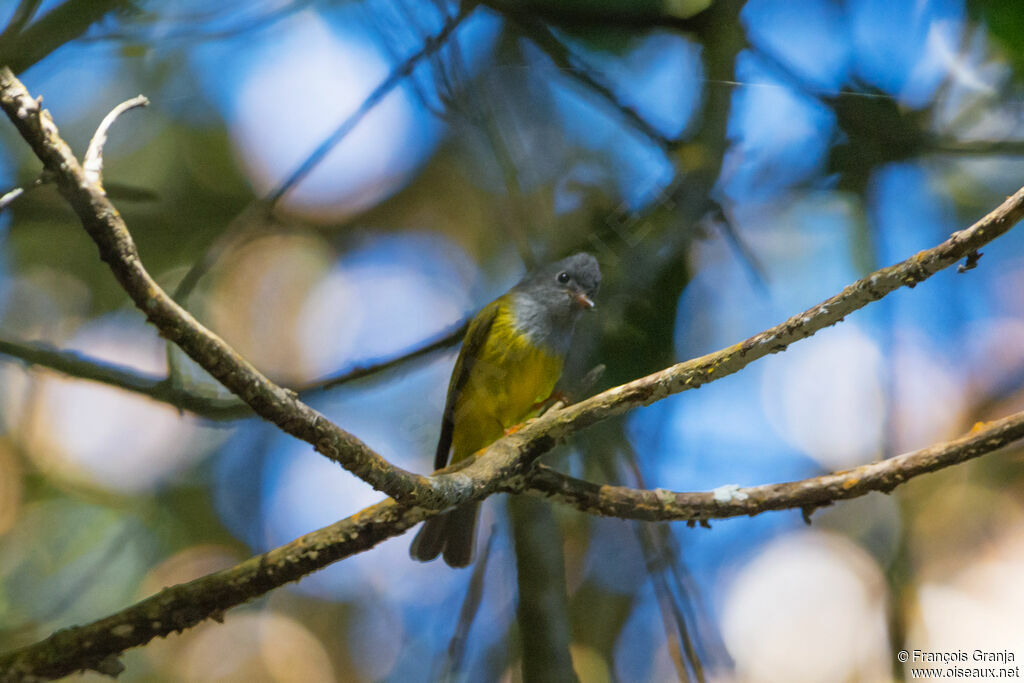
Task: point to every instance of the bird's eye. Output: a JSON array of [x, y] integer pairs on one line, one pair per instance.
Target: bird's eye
[[563, 277]]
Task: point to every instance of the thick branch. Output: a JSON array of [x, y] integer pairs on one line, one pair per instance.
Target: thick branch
[[508, 456], [182, 606], [693, 373], [662, 505], [107, 229], [97, 645], [496, 468]]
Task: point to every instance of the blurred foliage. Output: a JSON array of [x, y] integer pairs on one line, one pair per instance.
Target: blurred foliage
[[1005, 23], [725, 166]]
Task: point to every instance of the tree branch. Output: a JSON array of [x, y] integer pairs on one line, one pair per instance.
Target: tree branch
[[577, 16], [93, 161], [96, 645], [575, 67], [22, 15], [80, 366], [732, 501], [105, 226], [980, 147], [508, 456], [76, 365], [502, 466], [66, 22], [694, 373], [14, 193], [431, 45], [444, 340]]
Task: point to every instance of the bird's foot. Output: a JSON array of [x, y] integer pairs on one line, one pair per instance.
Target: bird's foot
[[515, 428], [557, 399]]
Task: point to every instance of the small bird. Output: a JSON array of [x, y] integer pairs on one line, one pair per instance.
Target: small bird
[[510, 360]]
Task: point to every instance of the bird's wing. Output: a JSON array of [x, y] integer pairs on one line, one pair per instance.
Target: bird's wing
[[472, 344]]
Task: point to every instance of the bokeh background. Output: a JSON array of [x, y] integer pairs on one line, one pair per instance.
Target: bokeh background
[[730, 163]]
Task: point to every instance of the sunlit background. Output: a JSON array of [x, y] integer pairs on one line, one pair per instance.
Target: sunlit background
[[729, 163]]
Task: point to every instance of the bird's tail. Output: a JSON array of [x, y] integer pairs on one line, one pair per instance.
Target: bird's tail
[[453, 533]]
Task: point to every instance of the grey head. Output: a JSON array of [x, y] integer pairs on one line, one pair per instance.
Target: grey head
[[550, 300]]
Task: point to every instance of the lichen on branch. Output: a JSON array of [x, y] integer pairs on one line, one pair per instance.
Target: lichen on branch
[[507, 465]]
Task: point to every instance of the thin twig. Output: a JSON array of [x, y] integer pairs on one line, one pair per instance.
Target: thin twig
[[576, 67], [430, 45], [247, 224], [259, 211], [93, 163], [502, 466], [446, 339], [61, 25], [106, 227], [453, 661], [663, 559], [81, 366], [507, 457], [12, 195], [613, 16], [23, 14], [19, 19], [188, 28], [979, 147]]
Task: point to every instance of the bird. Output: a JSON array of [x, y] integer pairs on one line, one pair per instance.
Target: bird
[[511, 358]]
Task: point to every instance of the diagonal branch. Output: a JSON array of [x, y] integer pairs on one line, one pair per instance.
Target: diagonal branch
[[733, 501], [61, 25], [263, 208], [105, 226], [574, 66], [502, 466], [442, 341], [692, 374], [80, 366], [22, 15], [97, 645], [76, 365], [507, 457], [431, 45]]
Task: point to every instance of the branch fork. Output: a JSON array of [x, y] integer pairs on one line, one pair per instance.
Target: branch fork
[[507, 465]]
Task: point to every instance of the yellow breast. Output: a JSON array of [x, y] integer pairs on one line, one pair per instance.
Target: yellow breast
[[508, 379]]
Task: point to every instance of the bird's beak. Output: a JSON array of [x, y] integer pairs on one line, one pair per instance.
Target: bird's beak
[[582, 300]]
